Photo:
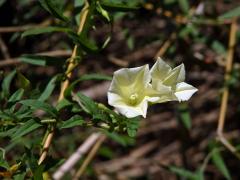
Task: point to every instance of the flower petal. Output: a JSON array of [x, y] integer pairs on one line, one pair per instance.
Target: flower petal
[[133, 111], [184, 91], [160, 69], [177, 75]]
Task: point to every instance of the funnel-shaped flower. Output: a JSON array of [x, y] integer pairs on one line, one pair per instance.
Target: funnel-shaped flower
[[130, 91], [163, 77]]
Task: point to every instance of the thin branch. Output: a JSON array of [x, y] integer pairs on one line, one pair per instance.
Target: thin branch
[[65, 84], [89, 158], [4, 48], [223, 108], [74, 158]]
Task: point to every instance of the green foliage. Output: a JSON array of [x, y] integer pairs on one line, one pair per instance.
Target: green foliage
[[184, 5], [184, 116], [230, 14], [218, 160], [41, 60]]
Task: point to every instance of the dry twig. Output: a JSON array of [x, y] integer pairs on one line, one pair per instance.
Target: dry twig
[[223, 108]]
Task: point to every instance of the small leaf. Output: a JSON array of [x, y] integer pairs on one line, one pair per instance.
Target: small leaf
[[185, 117], [116, 137], [24, 129], [184, 5], [40, 60], [109, 5], [72, 122], [182, 172], [22, 80], [36, 104], [63, 103], [17, 95], [102, 11], [86, 103], [3, 162], [86, 77], [230, 14], [218, 47], [42, 30], [219, 163], [49, 89], [6, 83], [54, 7]]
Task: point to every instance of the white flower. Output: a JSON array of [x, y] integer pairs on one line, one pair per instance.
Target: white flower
[[130, 91], [164, 77]]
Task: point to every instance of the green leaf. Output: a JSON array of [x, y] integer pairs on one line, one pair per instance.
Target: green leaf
[[3, 162], [22, 80], [42, 30], [38, 173], [54, 7], [218, 47], [230, 14], [116, 137], [86, 77], [184, 5], [103, 12], [84, 42], [185, 117], [109, 5], [24, 129], [63, 103], [2, 2], [36, 104], [40, 60], [49, 89], [72, 122], [6, 83], [17, 95], [182, 172], [132, 126], [86, 103], [219, 163]]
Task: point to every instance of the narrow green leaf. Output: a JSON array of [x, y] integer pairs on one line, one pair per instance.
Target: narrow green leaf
[[54, 7], [49, 89], [230, 14], [24, 129], [184, 5], [2, 2], [86, 103], [182, 172], [86, 77], [184, 115], [41, 60], [22, 80], [108, 5], [36, 104], [17, 95], [103, 12], [63, 103], [116, 137], [6, 83], [218, 47], [42, 30], [3, 162], [72, 122], [220, 164]]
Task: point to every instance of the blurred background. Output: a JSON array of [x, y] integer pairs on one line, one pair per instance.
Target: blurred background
[[176, 140]]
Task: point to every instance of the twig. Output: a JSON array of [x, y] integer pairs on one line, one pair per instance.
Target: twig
[[74, 158], [89, 157], [14, 61], [65, 84], [165, 46], [223, 108], [12, 29]]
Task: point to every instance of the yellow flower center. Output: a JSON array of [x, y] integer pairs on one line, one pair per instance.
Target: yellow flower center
[[133, 99]]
